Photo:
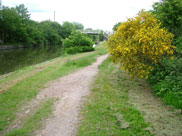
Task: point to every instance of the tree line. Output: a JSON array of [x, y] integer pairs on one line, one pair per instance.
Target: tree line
[[16, 27]]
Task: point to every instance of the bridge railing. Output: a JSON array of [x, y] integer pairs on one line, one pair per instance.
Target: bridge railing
[[97, 32], [90, 31]]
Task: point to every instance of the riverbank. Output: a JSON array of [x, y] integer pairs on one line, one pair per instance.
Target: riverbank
[[117, 105], [6, 47], [14, 59], [30, 82]]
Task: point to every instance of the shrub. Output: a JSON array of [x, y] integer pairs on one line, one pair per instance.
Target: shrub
[[77, 42], [79, 49], [166, 80], [77, 39], [139, 43]]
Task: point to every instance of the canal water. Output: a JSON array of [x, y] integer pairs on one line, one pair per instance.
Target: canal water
[[14, 59]]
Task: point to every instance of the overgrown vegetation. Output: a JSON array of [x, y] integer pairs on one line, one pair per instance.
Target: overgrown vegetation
[[151, 58], [108, 110], [166, 77]]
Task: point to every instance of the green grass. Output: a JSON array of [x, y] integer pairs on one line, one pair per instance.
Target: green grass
[[34, 122], [27, 89], [28, 69], [107, 111]]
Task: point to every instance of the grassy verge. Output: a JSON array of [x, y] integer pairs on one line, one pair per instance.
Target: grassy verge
[[4, 79], [108, 111], [34, 122], [27, 89]]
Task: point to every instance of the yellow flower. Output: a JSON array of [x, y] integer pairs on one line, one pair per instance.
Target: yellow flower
[[136, 47]]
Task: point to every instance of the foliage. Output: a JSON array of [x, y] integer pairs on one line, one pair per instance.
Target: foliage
[[169, 12], [78, 42], [101, 36], [115, 27], [23, 12], [16, 27], [67, 29], [79, 49], [10, 24], [167, 75], [139, 43], [98, 37], [88, 29], [52, 34], [166, 80], [78, 26]]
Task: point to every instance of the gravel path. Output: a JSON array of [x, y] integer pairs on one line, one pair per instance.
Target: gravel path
[[70, 91]]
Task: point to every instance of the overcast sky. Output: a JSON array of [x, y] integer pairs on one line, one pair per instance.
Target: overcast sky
[[96, 14]]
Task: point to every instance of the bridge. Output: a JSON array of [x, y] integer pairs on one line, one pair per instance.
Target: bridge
[[97, 32]]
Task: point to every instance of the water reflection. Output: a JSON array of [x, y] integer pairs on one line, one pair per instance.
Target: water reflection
[[14, 59]]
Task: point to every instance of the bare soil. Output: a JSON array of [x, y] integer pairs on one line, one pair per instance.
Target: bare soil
[[70, 91]]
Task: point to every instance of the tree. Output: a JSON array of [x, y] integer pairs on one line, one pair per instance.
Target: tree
[[139, 43], [115, 27], [169, 12], [67, 29], [78, 26], [77, 39], [10, 23], [34, 36], [17, 27], [88, 29], [51, 32], [23, 12]]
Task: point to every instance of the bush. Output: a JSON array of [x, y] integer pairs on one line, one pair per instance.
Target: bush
[[77, 42], [166, 79], [139, 43], [77, 39], [79, 49]]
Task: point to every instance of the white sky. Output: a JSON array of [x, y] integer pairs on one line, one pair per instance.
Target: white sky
[[96, 14]]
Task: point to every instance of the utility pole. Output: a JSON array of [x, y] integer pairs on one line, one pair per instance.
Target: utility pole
[[0, 4], [54, 16]]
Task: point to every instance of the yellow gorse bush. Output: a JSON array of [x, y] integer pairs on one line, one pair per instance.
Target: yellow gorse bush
[[139, 43]]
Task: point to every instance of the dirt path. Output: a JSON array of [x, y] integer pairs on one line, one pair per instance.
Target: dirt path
[[70, 91]]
